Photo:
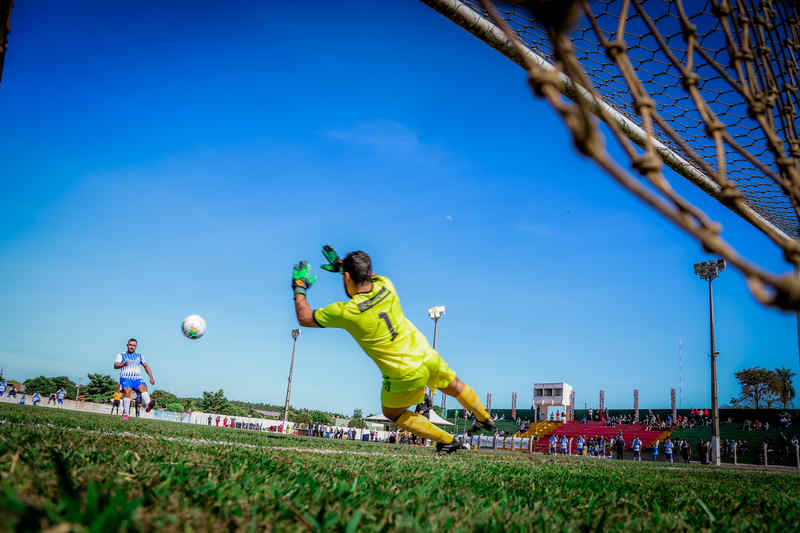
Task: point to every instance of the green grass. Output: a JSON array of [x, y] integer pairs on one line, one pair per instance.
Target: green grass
[[59, 467]]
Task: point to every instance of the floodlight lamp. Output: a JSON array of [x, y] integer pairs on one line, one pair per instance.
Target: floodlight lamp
[[295, 333], [721, 264], [436, 311]]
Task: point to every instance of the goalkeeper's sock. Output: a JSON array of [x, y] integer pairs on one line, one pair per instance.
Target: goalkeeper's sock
[[469, 399], [126, 405], [422, 427], [146, 398]]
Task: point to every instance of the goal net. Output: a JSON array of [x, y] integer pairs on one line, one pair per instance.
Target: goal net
[[708, 88]]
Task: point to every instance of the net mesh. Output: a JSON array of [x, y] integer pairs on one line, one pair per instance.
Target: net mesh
[[778, 73], [710, 89]]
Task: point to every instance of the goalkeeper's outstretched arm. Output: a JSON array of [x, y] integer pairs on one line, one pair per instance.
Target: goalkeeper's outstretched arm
[[305, 315]]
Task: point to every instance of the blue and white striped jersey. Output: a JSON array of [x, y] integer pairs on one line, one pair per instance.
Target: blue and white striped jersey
[[133, 370]]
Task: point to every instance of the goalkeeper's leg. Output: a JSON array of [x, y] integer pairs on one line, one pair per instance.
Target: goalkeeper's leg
[[416, 424], [467, 397]]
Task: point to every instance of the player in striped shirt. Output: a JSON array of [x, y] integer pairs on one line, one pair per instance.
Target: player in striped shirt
[[60, 395], [130, 364]]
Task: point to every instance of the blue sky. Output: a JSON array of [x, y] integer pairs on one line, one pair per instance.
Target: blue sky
[[164, 161]]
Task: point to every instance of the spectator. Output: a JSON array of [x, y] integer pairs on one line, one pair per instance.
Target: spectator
[[701, 451], [655, 450], [685, 451], [619, 445], [636, 445], [668, 448]]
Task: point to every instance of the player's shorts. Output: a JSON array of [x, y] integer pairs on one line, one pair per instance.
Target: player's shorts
[[409, 390], [61, 400], [115, 403], [131, 383]]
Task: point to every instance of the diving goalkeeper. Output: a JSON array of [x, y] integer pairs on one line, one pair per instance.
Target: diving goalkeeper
[[374, 317]]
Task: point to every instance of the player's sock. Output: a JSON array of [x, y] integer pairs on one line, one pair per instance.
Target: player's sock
[[422, 427], [469, 399], [126, 405], [146, 398]]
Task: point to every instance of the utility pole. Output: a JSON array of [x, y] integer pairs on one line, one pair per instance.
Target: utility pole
[[295, 334]]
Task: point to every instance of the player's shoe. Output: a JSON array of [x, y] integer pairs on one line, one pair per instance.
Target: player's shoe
[[447, 449], [124, 417], [150, 406], [487, 425]]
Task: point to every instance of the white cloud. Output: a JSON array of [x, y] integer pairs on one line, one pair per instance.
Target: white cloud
[[383, 136], [448, 218]]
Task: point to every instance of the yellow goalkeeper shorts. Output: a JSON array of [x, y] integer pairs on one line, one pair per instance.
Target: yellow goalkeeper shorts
[[409, 390]]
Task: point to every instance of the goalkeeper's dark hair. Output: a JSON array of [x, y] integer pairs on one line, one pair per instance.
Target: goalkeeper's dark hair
[[359, 266], [133, 340]]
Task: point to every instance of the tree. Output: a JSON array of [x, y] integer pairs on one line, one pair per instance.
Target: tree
[[42, 385], [357, 423], [785, 389], [318, 417], [190, 404], [175, 406], [163, 398], [758, 385], [100, 387], [214, 402], [67, 384], [301, 418], [357, 413]]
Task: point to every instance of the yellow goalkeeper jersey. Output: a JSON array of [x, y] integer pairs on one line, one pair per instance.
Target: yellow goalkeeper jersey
[[375, 320]]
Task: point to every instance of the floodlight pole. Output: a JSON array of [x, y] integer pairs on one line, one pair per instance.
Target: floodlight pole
[[295, 334], [797, 314], [709, 270], [436, 312]]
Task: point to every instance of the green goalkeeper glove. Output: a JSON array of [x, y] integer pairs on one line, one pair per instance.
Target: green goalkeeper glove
[[301, 277], [334, 262]]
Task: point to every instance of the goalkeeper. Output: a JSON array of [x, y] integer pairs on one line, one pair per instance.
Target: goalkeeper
[[374, 317]]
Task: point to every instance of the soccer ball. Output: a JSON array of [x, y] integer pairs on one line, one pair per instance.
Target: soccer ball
[[193, 326]]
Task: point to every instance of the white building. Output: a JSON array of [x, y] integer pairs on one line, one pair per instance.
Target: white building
[[559, 394]]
